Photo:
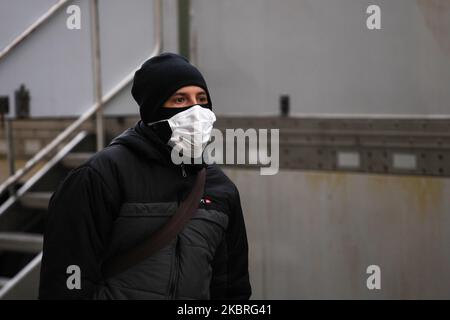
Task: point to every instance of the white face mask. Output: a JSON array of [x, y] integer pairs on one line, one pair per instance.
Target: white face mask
[[191, 130]]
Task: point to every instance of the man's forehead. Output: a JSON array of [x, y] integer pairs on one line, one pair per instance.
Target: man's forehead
[[190, 89]]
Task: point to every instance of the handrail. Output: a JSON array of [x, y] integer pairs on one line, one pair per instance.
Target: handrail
[[42, 171], [50, 12], [32, 269], [88, 113], [97, 73]]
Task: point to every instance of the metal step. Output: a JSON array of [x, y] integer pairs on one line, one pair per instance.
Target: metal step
[[36, 200], [75, 159], [21, 242]]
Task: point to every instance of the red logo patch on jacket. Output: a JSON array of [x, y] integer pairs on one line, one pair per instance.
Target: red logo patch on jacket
[[205, 200]]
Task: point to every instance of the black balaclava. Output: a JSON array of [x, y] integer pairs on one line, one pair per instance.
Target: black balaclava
[[158, 79], [155, 82]]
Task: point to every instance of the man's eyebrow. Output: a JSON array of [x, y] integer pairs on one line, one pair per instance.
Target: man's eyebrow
[[185, 94]]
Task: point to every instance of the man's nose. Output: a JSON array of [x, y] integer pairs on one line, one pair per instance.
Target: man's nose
[[195, 100]]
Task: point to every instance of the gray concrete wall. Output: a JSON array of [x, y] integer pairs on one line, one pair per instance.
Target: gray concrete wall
[[16, 16], [318, 52], [55, 63], [313, 234], [321, 53]]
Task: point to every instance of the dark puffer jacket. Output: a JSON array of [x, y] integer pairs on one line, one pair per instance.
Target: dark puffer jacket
[[121, 196]]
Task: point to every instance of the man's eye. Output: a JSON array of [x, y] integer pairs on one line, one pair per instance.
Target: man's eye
[[203, 99], [179, 100]]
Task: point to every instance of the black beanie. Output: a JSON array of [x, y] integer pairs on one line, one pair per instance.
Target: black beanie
[[159, 78]]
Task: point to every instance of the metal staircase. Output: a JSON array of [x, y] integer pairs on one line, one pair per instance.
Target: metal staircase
[[22, 220], [23, 204]]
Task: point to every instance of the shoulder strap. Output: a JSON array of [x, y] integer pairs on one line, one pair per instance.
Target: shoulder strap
[[161, 237]]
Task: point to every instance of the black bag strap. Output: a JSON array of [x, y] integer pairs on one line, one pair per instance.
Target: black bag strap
[[162, 236]]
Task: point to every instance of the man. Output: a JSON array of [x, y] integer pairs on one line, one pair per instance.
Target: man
[[129, 190]]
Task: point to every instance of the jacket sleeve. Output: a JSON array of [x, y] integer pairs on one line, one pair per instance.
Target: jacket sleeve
[[80, 217], [230, 278]]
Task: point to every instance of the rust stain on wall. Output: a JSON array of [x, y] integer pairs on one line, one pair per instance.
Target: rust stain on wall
[[437, 18], [427, 193], [424, 193], [317, 180]]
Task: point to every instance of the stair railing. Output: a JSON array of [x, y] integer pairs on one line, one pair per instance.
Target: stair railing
[[23, 284], [30, 164]]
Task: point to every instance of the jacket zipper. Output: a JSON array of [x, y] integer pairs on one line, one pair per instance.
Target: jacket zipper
[[183, 170], [175, 274], [174, 280]]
